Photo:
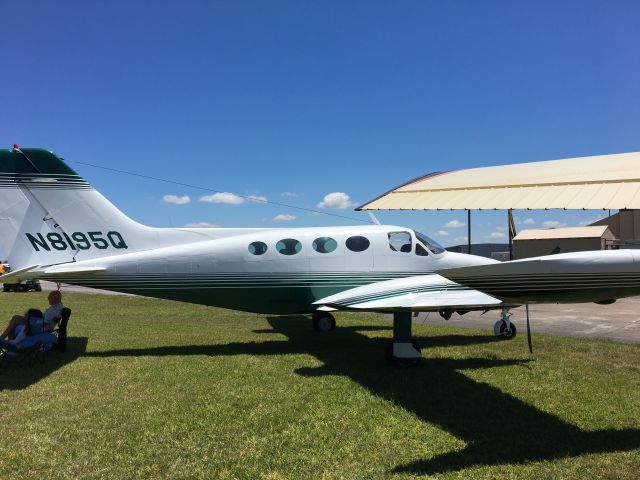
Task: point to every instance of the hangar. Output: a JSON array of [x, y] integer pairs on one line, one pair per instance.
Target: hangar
[[548, 241], [606, 182], [625, 226]]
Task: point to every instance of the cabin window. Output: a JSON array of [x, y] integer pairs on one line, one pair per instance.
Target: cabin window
[[288, 246], [400, 242], [257, 248], [421, 251], [431, 244], [357, 244], [324, 244]]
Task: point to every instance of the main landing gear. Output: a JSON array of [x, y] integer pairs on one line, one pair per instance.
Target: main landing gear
[[403, 351], [503, 328], [323, 322]]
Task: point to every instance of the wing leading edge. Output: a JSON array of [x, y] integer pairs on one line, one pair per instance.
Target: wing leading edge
[[419, 293], [567, 277]]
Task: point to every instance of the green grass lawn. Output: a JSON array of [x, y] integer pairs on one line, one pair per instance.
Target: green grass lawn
[[157, 389]]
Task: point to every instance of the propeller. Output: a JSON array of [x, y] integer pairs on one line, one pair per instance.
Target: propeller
[[528, 329]]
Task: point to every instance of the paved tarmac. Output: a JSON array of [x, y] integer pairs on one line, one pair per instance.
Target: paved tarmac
[[619, 321], [46, 286]]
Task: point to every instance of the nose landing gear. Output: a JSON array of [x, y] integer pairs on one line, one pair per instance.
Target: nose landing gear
[[503, 328]]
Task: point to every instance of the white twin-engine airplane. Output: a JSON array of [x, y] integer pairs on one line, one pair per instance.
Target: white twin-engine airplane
[[55, 226]]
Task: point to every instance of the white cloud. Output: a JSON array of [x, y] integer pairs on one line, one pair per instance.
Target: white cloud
[[501, 229], [289, 194], [183, 200], [336, 200], [528, 221], [442, 233], [223, 197], [497, 235], [589, 222], [201, 225], [460, 239], [454, 224], [232, 198], [284, 217], [553, 224]]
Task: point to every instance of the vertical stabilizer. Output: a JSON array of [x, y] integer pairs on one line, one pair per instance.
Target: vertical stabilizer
[[49, 215]]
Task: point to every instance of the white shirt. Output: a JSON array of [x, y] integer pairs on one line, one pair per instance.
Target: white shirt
[[52, 315]]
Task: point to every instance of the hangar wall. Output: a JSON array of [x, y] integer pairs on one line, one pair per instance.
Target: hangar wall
[[625, 225], [534, 243]]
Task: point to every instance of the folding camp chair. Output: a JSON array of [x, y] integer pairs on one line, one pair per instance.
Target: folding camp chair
[[30, 350], [61, 330], [35, 347]]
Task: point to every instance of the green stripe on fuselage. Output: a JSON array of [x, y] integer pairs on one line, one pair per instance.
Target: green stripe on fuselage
[[279, 293]]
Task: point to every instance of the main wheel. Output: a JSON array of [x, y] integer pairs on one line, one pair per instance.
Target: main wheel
[[323, 322], [500, 330]]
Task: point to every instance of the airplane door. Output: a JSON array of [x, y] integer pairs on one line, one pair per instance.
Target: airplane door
[[358, 254]]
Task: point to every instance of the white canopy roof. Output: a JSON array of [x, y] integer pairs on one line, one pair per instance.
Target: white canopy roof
[[568, 232], [598, 182]]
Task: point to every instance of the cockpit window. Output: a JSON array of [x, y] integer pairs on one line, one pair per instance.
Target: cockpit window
[[400, 242], [421, 251], [431, 244]]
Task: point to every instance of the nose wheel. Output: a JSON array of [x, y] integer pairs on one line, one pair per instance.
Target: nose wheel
[[503, 328], [323, 322]]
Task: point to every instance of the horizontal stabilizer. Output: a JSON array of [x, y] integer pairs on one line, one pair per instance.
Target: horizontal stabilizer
[[17, 275], [419, 293], [67, 269]]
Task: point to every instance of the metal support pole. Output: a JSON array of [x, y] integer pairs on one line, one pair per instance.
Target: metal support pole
[[512, 229], [469, 232], [401, 327]]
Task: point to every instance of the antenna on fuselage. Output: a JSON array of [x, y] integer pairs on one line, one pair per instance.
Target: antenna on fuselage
[[373, 218]]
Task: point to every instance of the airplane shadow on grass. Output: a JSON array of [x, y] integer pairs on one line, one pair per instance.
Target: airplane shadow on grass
[[21, 375], [497, 427]]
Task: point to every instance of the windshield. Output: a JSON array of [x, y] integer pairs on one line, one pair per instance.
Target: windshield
[[432, 245]]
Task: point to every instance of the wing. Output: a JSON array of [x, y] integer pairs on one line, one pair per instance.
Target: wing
[[421, 293], [568, 277]]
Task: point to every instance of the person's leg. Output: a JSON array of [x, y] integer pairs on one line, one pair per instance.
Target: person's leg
[[8, 332]]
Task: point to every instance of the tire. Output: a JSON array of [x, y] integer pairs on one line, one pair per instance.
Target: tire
[[324, 322], [500, 329], [38, 288]]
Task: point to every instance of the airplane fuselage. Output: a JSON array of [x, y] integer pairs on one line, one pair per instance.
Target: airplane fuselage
[[272, 271]]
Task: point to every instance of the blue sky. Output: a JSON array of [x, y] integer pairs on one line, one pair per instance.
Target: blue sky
[[311, 98]]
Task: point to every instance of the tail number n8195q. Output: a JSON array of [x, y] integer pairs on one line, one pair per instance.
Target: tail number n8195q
[[76, 241]]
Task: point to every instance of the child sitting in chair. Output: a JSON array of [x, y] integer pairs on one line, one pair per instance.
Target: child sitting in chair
[[18, 327]]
